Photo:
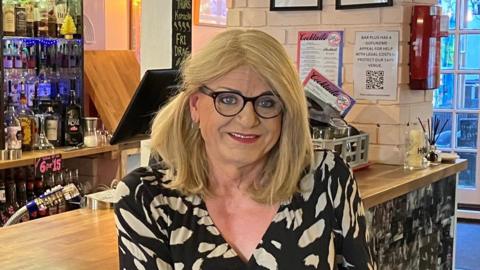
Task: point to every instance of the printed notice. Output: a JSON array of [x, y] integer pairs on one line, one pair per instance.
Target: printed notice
[[375, 65], [321, 50]]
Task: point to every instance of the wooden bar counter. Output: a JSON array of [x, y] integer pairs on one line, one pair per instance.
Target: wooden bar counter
[[79, 239], [380, 183], [402, 213]]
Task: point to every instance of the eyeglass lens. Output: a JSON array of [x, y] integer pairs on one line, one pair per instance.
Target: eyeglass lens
[[231, 103]]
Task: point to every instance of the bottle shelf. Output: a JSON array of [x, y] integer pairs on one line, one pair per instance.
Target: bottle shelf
[[29, 157]]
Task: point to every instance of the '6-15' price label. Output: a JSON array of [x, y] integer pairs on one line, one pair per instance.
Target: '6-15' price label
[[50, 164]]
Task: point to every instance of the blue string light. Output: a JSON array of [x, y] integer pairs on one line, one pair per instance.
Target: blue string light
[[44, 41]]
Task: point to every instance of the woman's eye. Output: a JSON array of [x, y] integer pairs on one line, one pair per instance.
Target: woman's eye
[[228, 99], [267, 102]]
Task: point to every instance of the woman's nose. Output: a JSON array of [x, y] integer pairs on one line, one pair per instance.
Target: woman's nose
[[248, 117]]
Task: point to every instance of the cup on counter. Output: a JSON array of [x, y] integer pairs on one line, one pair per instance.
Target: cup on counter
[[90, 132]]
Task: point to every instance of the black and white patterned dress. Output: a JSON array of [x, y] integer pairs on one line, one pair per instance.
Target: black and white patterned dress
[[323, 226]]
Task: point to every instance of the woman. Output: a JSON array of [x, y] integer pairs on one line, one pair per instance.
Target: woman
[[239, 186]]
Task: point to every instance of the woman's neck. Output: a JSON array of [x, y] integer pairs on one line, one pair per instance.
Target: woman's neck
[[226, 180]]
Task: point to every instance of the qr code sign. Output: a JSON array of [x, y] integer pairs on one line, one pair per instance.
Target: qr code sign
[[375, 79]]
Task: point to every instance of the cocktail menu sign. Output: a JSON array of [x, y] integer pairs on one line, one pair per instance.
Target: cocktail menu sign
[[321, 50]]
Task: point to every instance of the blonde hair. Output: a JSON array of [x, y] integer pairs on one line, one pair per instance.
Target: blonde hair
[[182, 147]]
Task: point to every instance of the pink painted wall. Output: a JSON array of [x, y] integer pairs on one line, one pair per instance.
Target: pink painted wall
[[110, 20], [201, 34], [94, 10]]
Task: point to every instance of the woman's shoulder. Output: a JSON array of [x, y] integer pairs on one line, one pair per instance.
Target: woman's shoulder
[[328, 168], [146, 182]]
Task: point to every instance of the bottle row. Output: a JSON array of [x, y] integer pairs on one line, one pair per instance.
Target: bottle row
[[28, 53], [44, 126], [20, 185], [42, 18]]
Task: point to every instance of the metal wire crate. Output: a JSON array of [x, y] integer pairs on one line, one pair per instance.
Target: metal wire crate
[[354, 149]]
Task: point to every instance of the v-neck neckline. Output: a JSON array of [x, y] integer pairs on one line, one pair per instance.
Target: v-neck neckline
[[281, 207]]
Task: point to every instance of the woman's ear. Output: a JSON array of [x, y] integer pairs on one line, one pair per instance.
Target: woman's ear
[[193, 103]]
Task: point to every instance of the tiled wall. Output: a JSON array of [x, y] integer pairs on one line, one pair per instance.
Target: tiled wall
[[383, 120]]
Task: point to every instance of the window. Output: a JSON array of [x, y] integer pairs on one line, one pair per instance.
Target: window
[[457, 99]]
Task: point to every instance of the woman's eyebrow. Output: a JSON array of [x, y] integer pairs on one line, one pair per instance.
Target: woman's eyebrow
[[240, 92]]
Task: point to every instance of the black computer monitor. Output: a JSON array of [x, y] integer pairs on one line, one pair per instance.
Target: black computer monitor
[[154, 90]]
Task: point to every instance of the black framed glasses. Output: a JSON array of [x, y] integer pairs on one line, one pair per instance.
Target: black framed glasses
[[230, 103]]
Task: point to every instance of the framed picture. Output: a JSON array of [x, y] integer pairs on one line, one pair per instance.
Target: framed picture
[[210, 12], [280, 5], [349, 4]]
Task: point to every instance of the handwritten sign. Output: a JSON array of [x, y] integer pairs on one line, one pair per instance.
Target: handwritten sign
[[46, 164], [375, 65], [321, 50], [181, 31]]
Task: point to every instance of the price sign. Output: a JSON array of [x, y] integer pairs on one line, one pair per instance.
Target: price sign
[[46, 164]]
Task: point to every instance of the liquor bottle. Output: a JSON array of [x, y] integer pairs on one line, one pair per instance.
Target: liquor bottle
[[20, 182], [60, 13], [38, 185], [44, 85], [59, 109], [73, 113], [30, 183], [29, 11], [27, 121], [52, 19], [31, 84], [52, 126], [59, 180], [11, 195], [77, 15], [20, 20], [36, 18], [43, 18], [18, 62], [13, 129], [3, 199], [7, 56], [9, 18]]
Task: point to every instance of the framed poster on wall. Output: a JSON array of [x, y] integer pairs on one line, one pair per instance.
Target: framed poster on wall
[[350, 4], [210, 12], [279, 5]]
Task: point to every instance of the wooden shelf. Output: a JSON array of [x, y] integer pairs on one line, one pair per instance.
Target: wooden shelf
[[28, 158]]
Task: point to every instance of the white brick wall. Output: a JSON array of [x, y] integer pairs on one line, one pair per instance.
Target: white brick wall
[[382, 120]]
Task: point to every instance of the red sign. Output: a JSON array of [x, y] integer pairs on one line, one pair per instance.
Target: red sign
[[46, 164]]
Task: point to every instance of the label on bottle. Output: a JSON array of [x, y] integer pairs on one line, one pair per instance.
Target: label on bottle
[[30, 93], [29, 13], [43, 25], [61, 11], [20, 21], [13, 135], [26, 123], [9, 19], [73, 124], [52, 129], [7, 61], [44, 89], [3, 198]]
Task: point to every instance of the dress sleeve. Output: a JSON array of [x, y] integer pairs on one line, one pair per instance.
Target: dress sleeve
[[352, 247], [142, 239]]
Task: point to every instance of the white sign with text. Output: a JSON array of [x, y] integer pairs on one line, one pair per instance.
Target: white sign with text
[[375, 65]]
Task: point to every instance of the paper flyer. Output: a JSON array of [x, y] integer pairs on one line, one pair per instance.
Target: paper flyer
[[325, 90]]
